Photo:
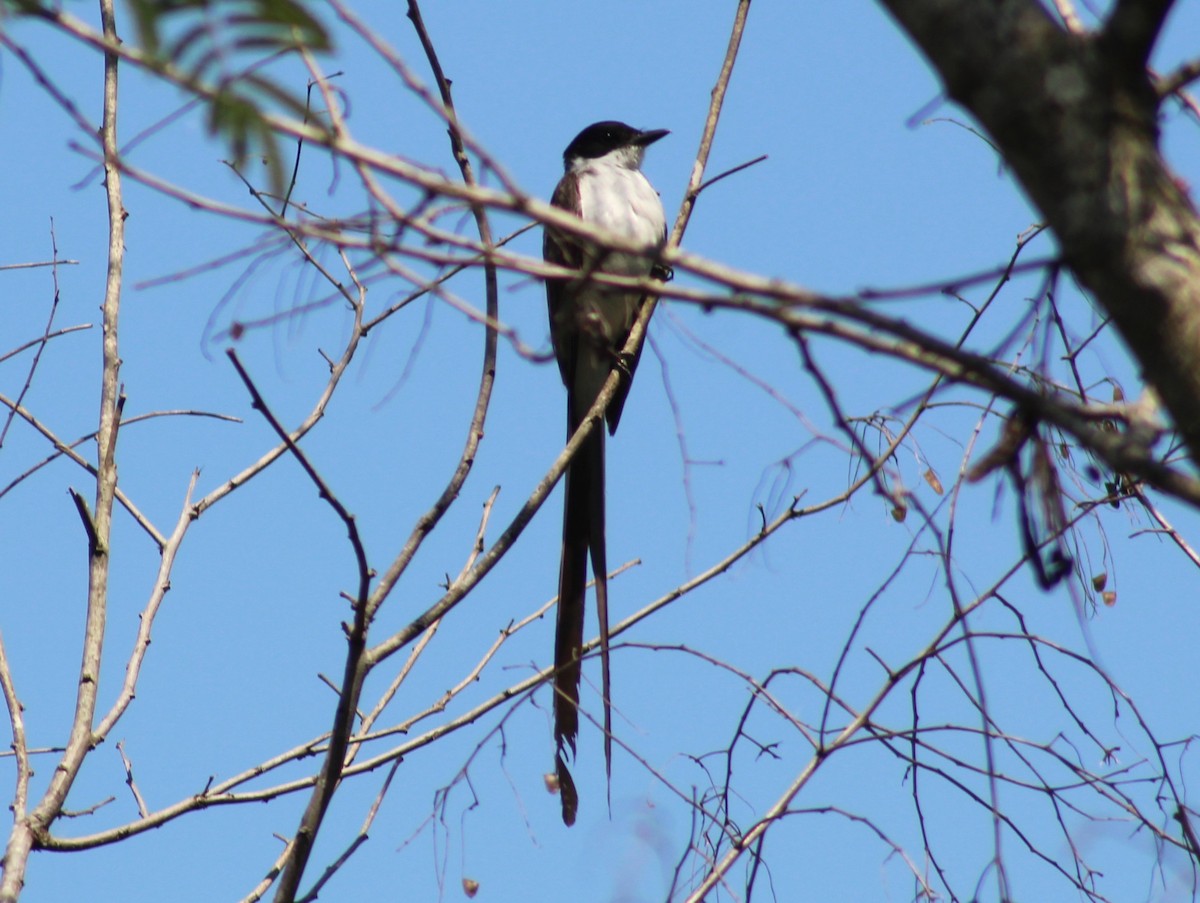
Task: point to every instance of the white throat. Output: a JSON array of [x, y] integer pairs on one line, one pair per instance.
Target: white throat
[[628, 157]]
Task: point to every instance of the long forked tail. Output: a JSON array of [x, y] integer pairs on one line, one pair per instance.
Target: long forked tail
[[583, 538]]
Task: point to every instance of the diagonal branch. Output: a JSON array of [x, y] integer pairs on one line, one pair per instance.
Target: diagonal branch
[[358, 662], [1078, 125], [335, 755], [1133, 28]]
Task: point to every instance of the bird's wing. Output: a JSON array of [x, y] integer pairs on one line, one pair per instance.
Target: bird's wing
[[562, 251]]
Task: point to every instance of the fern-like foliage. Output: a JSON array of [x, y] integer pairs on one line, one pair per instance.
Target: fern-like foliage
[[211, 42]]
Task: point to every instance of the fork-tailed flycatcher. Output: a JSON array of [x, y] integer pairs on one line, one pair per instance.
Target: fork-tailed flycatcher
[[589, 324]]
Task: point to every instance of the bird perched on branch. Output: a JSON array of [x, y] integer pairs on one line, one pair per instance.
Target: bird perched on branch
[[589, 325]]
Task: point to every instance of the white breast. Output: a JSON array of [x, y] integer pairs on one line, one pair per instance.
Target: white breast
[[621, 200]]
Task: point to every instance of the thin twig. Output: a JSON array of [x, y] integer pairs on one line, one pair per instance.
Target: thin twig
[[20, 748], [41, 345], [132, 784]]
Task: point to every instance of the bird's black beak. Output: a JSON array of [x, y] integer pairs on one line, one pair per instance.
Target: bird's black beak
[[649, 136]]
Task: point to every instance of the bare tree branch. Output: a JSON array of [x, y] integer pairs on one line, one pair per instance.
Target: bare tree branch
[[32, 827], [1079, 130]]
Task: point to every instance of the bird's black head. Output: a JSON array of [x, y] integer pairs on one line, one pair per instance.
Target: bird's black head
[[602, 138]]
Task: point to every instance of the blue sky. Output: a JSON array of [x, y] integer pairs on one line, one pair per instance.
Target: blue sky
[[868, 183]]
